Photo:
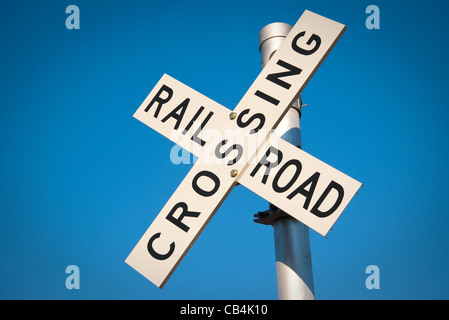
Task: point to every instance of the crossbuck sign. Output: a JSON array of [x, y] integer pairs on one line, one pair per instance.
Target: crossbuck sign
[[242, 149]]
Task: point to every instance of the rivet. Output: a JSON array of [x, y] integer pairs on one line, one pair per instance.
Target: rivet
[[232, 115], [234, 173]]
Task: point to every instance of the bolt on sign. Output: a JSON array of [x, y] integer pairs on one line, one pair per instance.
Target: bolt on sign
[[243, 150]]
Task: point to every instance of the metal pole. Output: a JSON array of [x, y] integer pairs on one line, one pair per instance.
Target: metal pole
[[291, 237]]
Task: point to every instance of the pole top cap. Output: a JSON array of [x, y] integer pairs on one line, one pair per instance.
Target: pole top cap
[[275, 29]]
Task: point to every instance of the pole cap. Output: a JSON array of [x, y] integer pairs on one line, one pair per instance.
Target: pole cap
[[275, 29]]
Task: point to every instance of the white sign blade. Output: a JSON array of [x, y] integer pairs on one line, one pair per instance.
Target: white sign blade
[[180, 223], [290, 68], [299, 184], [181, 114]]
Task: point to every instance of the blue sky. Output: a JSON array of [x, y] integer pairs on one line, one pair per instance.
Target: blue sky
[[81, 179]]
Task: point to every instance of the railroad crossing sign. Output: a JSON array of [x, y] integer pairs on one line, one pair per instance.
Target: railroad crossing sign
[[240, 147]]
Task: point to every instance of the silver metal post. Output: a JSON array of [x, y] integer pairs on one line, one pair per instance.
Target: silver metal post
[[291, 237]]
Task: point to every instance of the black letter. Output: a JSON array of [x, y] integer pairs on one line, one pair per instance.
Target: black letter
[[242, 124], [302, 51], [332, 185], [298, 166], [178, 222], [313, 180], [201, 191], [292, 70], [237, 147], [197, 114], [203, 124], [158, 99], [174, 114], [268, 164], [156, 255], [266, 97]]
